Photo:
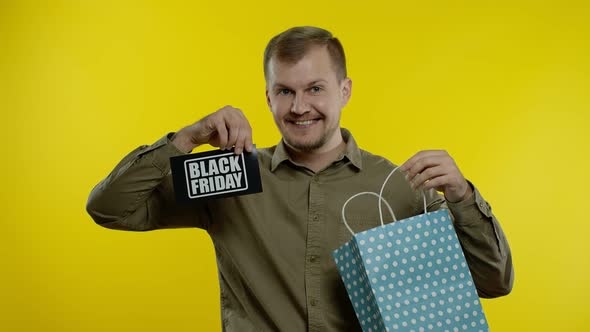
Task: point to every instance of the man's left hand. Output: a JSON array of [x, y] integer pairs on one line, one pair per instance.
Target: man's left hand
[[436, 169]]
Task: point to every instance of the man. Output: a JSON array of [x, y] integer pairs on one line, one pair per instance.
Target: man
[[273, 248]]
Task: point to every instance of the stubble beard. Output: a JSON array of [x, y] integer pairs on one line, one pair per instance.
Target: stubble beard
[[310, 146]]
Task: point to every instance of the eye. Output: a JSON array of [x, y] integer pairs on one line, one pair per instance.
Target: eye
[[315, 89], [284, 92]]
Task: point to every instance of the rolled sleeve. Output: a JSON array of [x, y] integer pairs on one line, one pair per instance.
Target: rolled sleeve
[[484, 244], [138, 194], [161, 150]]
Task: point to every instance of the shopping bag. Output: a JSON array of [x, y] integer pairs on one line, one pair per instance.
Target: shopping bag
[[409, 275]]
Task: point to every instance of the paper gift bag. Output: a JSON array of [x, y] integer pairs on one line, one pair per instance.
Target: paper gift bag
[[409, 275]]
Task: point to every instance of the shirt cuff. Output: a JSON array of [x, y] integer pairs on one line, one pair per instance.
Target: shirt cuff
[[161, 152], [470, 209]]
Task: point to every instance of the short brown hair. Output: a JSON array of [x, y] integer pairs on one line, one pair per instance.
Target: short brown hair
[[291, 45]]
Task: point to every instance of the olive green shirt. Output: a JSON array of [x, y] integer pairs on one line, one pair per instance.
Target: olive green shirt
[[273, 249]]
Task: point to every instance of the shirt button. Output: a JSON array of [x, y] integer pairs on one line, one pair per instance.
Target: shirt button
[[316, 218], [313, 258], [313, 302]]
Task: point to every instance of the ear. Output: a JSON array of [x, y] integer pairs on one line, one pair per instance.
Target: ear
[[345, 90], [268, 100]]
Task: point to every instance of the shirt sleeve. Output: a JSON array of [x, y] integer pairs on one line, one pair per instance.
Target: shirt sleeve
[[484, 245], [138, 194]]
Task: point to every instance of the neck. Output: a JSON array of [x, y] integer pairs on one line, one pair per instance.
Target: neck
[[318, 159]]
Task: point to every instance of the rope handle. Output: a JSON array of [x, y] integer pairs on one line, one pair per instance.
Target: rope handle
[[358, 194], [381, 199], [381, 195]]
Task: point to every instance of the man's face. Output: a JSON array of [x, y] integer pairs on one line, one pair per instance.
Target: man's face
[[306, 99]]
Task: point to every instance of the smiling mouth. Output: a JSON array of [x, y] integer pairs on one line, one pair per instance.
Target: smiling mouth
[[304, 123]]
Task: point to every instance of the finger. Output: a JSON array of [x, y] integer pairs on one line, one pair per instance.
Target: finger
[[221, 134], [422, 154], [234, 132], [248, 141], [422, 164], [427, 175], [205, 128], [247, 133], [240, 142], [236, 121], [436, 183], [247, 137]]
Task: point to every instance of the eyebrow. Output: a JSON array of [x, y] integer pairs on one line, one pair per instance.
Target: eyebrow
[[281, 85]]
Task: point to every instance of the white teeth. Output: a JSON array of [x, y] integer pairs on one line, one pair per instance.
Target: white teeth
[[303, 123]]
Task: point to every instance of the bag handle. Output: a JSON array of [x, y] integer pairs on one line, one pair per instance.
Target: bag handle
[[381, 199], [381, 196], [365, 193]]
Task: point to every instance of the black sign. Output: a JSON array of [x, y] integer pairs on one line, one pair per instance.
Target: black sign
[[215, 174]]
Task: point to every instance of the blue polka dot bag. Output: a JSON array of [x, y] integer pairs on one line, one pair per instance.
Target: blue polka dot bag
[[409, 275]]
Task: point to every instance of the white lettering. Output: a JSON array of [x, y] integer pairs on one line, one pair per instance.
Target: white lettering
[[229, 180], [223, 167], [215, 175], [211, 184], [213, 167], [238, 178], [219, 183], [234, 163], [204, 185], [194, 187], [203, 168], [193, 170]]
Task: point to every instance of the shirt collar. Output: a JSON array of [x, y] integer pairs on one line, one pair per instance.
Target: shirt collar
[[352, 152]]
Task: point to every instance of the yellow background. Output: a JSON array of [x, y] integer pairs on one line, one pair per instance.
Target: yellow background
[[503, 86]]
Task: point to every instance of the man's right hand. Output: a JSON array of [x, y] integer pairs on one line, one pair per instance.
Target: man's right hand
[[226, 128]]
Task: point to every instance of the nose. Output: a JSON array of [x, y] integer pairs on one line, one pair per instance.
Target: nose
[[299, 105]]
